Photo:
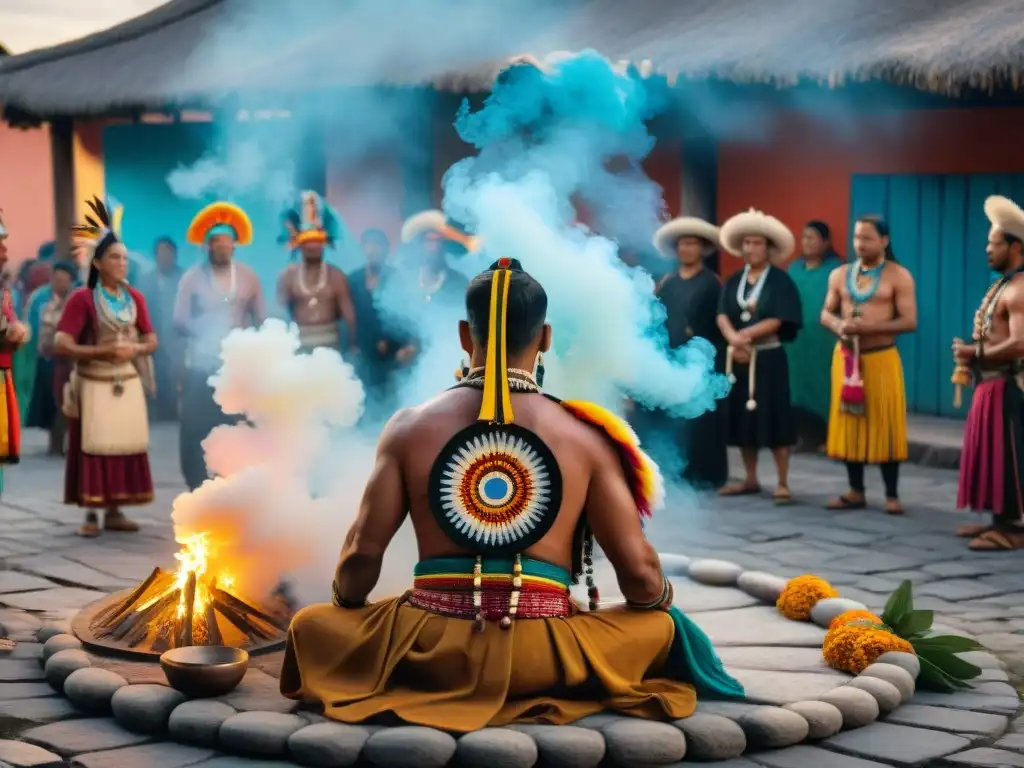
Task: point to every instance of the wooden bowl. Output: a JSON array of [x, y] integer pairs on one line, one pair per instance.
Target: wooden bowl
[[203, 671]]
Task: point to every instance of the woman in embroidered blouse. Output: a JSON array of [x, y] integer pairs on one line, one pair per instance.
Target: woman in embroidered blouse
[[107, 333]]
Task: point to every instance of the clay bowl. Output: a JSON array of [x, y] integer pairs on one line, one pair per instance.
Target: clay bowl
[[202, 671]]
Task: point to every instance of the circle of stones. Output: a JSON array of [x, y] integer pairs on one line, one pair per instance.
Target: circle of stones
[[716, 731]]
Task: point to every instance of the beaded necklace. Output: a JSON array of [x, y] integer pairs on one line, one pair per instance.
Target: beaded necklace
[[321, 281], [518, 379], [856, 273], [985, 314], [118, 305], [748, 303]]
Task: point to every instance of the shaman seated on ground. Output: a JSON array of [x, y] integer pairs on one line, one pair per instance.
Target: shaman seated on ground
[[507, 489]]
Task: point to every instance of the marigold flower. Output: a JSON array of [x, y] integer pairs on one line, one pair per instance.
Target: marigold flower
[[800, 596], [847, 617], [854, 647]]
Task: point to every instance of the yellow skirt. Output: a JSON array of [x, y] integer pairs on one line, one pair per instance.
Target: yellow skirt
[[879, 434], [436, 671]]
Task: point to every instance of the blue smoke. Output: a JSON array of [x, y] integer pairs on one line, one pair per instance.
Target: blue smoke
[[546, 138]]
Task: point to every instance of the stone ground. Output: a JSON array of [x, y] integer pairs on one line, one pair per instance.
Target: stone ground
[[49, 571]]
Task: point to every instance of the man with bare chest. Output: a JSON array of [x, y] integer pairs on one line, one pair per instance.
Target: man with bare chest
[[868, 304], [315, 294], [992, 462], [214, 297], [507, 490]]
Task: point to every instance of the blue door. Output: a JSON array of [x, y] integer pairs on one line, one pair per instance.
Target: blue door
[[939, 232]]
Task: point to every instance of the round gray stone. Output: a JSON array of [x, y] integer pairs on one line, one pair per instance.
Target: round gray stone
[[145, 708], [258, 734], [823, 719], [328, 745], [711, 737], [773, 727], [45, 633], [895, 675], [60, 642], [764, 586], [496, 748], [198, 722], [61, 664], [825, 610], [716, 573], [91, 688], [906, 661], [566, 746], [641, 742], [859, 708], [409, 745], [886, 694], [675, 565]]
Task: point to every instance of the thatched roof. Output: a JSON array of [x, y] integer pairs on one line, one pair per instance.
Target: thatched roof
[[190, 51]]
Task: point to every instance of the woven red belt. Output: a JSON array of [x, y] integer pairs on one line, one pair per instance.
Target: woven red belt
[[458, 604]]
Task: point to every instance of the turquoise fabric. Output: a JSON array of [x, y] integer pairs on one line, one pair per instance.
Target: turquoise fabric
[[222, 229], [694, 660], [439, 566]]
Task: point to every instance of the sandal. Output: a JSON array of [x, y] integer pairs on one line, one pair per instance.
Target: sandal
[[90, 529], [739, 489], [117, 521], [973, 530], [782, 495], [893, 507], [846, 502], [997, 541]]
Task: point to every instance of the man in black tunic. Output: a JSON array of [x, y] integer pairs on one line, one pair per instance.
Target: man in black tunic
[[690, 294], [759, 312]]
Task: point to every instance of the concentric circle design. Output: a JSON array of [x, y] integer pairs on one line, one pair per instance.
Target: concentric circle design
[[495, 488]]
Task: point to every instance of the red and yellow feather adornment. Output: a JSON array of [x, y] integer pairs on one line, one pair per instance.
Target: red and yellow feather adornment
[[643, 475], [228, 214]]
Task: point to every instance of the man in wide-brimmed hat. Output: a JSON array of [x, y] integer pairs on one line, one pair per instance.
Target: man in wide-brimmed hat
[[992, 463], [870, 302], [759, 310], [691, 293]]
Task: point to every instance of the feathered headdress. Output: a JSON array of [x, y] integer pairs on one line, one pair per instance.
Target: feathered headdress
[[220, 218], [457, 242], [102, 228], [311, 220]]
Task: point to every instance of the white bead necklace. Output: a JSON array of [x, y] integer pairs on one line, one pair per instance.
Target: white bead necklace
[[232, 283], [321, 281], [750, 301]]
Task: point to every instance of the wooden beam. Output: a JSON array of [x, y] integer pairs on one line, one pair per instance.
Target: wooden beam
[[62, 154]]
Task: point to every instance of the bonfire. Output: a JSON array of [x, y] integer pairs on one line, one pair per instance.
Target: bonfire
[[199, 604]]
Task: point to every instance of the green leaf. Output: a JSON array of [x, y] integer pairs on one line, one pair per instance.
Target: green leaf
[[951, 643], [950, 663], [900, 604], [914, 623], [934, 678]]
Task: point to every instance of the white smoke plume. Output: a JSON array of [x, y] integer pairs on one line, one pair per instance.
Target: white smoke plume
[[260, 517]]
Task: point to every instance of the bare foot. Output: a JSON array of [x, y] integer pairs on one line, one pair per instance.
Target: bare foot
[[745, 488], [893, 507]]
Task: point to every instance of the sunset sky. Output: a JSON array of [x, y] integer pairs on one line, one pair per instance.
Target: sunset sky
[[28, 24]]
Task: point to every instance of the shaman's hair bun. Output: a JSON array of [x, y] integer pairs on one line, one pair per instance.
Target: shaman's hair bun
[[506, 263]]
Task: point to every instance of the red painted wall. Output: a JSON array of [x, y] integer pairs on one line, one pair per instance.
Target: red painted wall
[[802, 170], [26, 189]]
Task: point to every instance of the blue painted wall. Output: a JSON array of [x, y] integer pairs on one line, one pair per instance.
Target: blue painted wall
[[939, 232]]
